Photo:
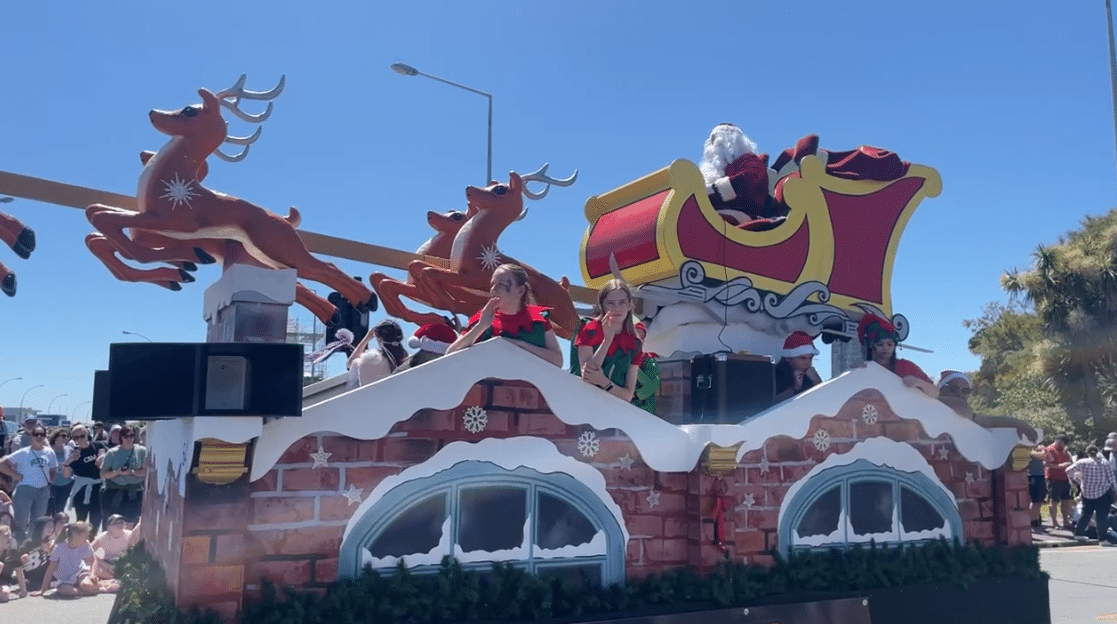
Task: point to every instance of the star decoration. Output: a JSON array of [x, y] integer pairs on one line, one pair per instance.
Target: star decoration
[[749, 501], [354, 494], [626, 462], [178, 191], [764, 466], [943, 453], [490, 257], [320, 458], [821, 439], [869, 414], [969, 477], [475, 419], [588, 444], [653, 499]]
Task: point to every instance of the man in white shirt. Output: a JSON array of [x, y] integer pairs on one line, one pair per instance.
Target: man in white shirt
[[33, 469]]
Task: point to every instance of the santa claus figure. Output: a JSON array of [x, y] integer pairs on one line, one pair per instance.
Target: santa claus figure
[[431, 341], [736, 175]]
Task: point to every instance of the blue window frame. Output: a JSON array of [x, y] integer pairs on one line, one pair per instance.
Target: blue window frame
[[862, 501], [478, 512]]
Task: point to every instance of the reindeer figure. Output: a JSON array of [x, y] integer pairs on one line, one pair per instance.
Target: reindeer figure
[[180, 222], [22, 241], [464, 287]]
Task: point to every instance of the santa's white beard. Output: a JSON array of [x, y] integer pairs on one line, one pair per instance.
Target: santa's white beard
[[728, 145]]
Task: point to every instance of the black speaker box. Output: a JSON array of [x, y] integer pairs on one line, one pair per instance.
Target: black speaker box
[[151, 381], [728, 388]]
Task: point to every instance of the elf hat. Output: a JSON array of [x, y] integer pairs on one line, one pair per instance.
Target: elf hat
[[433, 337], [799, 343], [872, 329]]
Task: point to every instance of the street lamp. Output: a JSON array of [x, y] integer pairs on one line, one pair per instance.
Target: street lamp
[[74, 413], [49, 405], [7, 380], [407, 70], [21, 416], [135, 334]]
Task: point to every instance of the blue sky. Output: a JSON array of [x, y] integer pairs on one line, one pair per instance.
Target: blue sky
[[1009, 101]]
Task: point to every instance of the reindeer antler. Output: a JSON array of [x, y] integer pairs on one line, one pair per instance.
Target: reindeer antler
[[541, 176], [230, 98]]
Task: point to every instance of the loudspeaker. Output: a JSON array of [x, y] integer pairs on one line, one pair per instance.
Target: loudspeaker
[[151, 381], [728, 388]]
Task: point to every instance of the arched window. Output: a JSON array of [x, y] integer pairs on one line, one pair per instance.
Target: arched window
[[861, 501], [548, 524]]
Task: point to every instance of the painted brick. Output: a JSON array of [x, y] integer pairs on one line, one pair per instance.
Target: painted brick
[[199, 516], [674, 551], [636, 476], [634, 551], [541, 424], [763, 519], [1019, 519], [958, 488], [518, 398], [985, 507], [791, 474], [325, 570], [783, 448], [753, 476], [644, 525], [498, 422], [748, 542], [195, 549], [478, 395], [903, 431], [312, 540], [625, 499], [773, 496], [668, 503], [977, 529], [875, 430], [612, 449], [752, 457], [407, 449], [283, 572], [266, 483], [837, 428], [674, 526], [764, 560], [1016, 480], [980, 488], [299, 452], [311, 479], [672, 481], [277, 510], [368, 477], [349, 450], [210, 580], [430, 420], [336, 507], [969, 510], [231, 548], [653, 550], [943, 471]]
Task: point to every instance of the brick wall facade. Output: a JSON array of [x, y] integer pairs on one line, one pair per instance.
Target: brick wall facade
[[288, 525]]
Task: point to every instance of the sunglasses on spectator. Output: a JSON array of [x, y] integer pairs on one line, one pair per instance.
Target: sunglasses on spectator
[[128, 435], [80, 436], [39, 434]]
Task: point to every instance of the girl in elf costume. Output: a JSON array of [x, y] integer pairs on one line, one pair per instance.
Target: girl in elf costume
[[510, 314], [609, 346], [880, 338]]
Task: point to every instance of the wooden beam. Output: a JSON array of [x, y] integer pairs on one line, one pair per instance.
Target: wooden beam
[[61, 194]]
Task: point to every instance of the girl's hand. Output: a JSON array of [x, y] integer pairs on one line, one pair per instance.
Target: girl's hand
[[612, 323], [488, 311]]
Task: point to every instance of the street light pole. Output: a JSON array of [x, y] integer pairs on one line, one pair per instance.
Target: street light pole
[[49, 405], [21, 415], [128, 333], [74, 413], [7, 380], [407, 70]]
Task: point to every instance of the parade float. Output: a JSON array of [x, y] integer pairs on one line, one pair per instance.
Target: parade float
[[489, 484]]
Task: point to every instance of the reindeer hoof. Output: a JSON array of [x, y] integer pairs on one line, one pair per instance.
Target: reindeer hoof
[[185, 275], [204, 257], [175, 286], [188, 266], [8, 284], [373, 303], [25, 244]]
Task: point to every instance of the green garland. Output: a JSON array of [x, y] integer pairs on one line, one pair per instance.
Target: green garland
[[505, 594]]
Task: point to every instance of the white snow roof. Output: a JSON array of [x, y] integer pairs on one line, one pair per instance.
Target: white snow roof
[[371, 411]]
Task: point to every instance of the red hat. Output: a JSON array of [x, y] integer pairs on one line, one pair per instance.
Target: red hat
[[799, 343], [433, 337], [873, 329]]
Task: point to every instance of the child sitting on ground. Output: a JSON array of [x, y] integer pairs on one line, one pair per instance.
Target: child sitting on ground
[[11, 576], [70, 563], [108, 546]]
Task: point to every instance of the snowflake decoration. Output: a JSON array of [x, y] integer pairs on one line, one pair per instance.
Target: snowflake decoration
[[354, 495], [653, 499], [490, 257], [178, 191], [869, 414], [626, 462], [749, 502], [821, 439], [320, 458], [588, 444], [475, 419]]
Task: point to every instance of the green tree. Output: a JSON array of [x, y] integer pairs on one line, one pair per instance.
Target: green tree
[[1072, 287]]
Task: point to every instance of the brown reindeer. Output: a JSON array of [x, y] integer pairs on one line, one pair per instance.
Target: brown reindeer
[[463, 288], [22, 241], [180, 222], [446, 226]]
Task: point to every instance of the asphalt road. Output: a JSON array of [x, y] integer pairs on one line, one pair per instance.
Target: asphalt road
[[1083, 590]]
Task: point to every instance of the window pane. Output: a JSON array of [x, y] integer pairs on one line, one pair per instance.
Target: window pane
[[870, 507], [492, 519], [417, 531], [821, 519], [560, 524], [917, 513]]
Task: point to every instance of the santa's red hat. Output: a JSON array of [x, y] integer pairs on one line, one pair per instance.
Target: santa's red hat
[[433, 337], [799, 343]]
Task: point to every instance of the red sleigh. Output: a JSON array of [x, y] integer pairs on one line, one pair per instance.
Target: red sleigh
[[841, 233]]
